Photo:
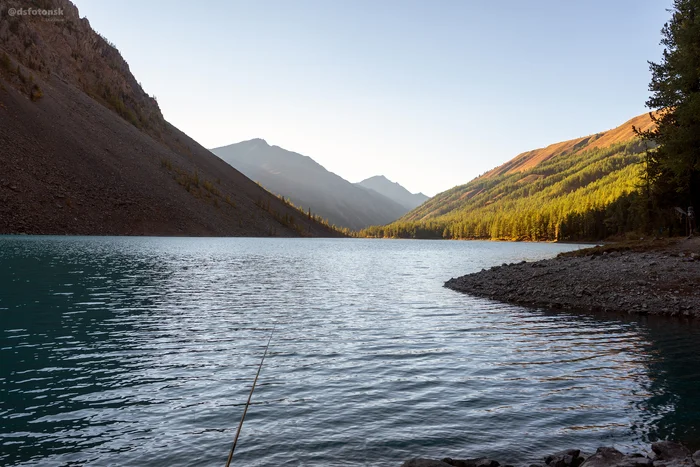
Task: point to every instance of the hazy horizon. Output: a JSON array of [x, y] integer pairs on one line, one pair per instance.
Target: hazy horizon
[[429, 97]]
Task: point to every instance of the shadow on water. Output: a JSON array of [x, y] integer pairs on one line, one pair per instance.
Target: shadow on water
[[673, 366], [63, 344], [670, 353]]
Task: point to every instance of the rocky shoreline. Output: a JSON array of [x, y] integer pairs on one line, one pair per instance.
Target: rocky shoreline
[[661, 277], [663, 454]]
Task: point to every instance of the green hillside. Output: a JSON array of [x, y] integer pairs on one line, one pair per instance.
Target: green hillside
[[579, 189]]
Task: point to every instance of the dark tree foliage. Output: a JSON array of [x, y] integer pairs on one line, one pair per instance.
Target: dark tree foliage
[[674, 167]]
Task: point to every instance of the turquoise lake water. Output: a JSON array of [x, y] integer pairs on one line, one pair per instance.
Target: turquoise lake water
[[141, 351]]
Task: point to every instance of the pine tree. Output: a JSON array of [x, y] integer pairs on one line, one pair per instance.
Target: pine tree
[[675, 88]]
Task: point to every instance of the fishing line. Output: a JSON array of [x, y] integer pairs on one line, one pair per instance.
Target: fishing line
[[247, 404]]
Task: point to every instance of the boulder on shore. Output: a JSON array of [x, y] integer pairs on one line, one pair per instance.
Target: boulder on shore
[[663, 454]]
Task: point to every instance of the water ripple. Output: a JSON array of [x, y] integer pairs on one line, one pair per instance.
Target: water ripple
[[132, 351]]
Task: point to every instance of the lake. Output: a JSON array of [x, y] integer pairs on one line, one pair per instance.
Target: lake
[[141, 351]]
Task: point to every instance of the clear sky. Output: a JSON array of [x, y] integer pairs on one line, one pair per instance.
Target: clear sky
[[430, 93]]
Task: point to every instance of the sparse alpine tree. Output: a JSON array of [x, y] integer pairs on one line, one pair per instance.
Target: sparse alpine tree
[[675, 94]]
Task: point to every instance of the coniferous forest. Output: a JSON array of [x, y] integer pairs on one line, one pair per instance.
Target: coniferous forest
[[589, 194]]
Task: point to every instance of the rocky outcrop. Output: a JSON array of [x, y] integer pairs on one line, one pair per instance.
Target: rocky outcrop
[[611, 457], [669, 454], [663, 454], [568, 458], [65, 46], [420, 462], [479, 462]]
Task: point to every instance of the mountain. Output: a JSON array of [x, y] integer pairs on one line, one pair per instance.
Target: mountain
[[622, 134], [86, 151], [308, 185], [393, 191], [585, 188]]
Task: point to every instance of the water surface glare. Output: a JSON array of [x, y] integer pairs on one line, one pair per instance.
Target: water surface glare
[[141, 351]]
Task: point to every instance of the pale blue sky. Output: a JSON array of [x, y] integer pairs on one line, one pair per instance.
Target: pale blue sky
[[428, 93]]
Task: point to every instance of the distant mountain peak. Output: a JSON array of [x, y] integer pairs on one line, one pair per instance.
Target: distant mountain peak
[[393, 191], [378, 178], [308, 184]]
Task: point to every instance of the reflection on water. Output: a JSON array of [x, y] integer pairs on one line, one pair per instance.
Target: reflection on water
[[672, 361], [142, 350]]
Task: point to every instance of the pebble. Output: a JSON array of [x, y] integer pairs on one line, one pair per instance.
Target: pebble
[[646, 283], [665, 454]]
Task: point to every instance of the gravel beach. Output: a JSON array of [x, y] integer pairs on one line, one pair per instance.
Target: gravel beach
[[658, 277]]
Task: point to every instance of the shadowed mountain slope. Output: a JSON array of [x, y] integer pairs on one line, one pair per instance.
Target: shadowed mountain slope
[[309, 185], [86, 151]]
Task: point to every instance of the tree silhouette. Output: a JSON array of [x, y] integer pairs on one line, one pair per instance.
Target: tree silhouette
[[675, 93]]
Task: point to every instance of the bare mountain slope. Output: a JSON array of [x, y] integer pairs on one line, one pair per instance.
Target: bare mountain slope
[[530, 159], [84, 150]]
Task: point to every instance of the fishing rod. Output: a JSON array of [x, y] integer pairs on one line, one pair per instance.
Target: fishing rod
[[250, 396]]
